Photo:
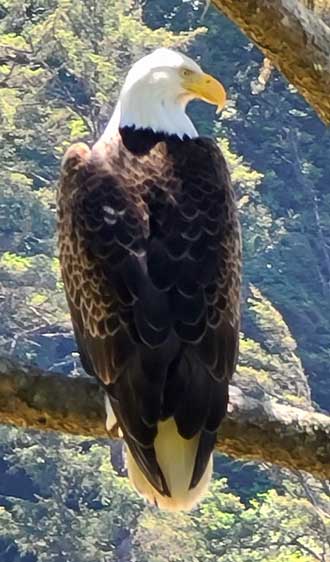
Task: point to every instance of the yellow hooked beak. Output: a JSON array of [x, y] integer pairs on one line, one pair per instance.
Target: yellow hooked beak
[[206, 88]]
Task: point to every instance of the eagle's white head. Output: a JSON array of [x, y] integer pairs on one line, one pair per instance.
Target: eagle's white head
[[156, 92]]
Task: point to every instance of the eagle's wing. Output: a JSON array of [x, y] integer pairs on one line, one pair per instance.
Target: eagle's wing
[[151, 268], [194, 254], [115, 309]]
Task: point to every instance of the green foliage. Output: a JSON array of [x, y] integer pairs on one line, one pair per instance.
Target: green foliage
[[83, 511], [271, 353], [15, 263], [81, 506]]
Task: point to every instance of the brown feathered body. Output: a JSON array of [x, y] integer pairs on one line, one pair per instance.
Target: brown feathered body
[[150, 251]]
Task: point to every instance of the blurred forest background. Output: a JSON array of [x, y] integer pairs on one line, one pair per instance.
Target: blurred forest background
[[61, 66]]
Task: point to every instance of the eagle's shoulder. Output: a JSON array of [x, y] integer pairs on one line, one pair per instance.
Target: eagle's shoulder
[[208, 146], [75, 157]]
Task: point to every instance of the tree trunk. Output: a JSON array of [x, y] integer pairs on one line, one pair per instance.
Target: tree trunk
[[295, 37]]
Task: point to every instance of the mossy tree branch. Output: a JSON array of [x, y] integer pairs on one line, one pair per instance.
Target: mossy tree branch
[[294, 37], [264, 431]]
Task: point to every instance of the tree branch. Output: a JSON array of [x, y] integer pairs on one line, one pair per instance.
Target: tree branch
[[294, 38], [254, 430]]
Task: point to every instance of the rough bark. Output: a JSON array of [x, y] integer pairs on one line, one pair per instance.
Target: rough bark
[[264, 431], [295, 37]]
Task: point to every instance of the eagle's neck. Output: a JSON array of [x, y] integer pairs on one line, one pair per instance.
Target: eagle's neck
[[150, 110]]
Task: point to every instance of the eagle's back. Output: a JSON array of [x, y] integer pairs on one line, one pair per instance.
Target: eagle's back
[[150, 251]]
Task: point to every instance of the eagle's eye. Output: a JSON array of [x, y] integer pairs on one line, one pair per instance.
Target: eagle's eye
[[185, 72]]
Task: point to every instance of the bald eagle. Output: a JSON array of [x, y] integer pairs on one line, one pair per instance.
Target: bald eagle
[[150, 253]]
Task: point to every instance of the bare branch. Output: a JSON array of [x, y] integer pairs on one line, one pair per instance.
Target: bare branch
[[254, 430], [294, 38]]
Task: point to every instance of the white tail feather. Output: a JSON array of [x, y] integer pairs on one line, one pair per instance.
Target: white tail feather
[[176, 458]]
